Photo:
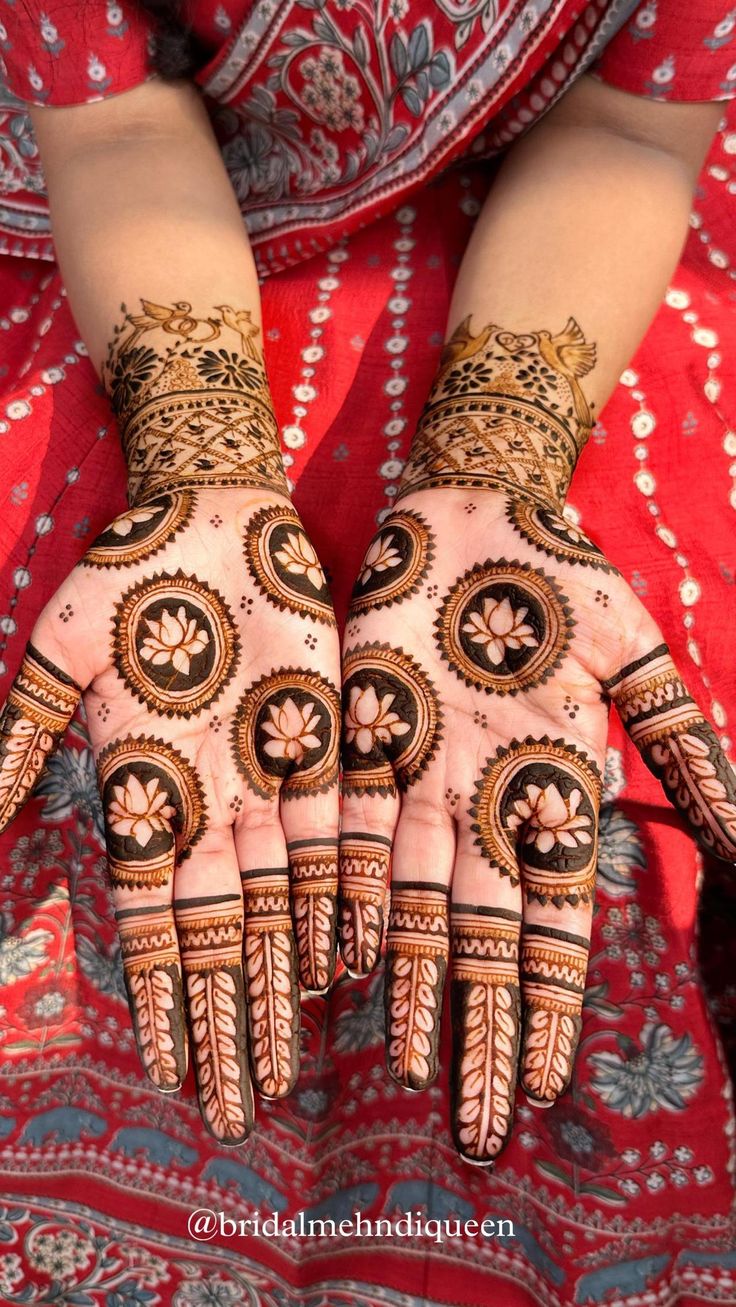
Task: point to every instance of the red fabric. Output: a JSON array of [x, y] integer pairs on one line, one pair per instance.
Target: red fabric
[[331, 114], [622, 1193]]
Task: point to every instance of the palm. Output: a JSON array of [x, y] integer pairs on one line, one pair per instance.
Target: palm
[[481, 631], [202, 627]]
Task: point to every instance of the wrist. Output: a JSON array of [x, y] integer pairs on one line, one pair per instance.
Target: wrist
[[506, 412], [192, 401]]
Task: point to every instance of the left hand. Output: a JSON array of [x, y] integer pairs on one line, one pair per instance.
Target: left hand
[[485, 637]]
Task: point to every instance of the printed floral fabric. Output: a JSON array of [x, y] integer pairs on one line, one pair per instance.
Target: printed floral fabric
[[622, 1193], [330, 113]]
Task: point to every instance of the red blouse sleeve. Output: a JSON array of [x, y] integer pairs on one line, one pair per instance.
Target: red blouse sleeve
[[674, 50], [59, 52]]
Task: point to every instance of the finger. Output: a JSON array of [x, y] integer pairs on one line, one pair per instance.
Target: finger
[[679, 746], [41, 702], [210, 929], [391, 728], [149, 794], [417, 942], [286, 741], [272, 991], [536, 807], [485, 1005]]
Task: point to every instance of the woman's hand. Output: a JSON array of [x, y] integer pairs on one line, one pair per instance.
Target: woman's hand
[[199, 629], [485, 639]]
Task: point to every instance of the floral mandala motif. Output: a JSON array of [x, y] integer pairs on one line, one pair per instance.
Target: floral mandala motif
[[391, 719], [284, 565], [552, 534], [504, 627], [175, 644], [149, 792], [141, 532], [536, 804], [396, 563], [286, 734]]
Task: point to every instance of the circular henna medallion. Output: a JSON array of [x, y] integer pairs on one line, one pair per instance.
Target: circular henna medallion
[[552, 534], [286, 734], [149, 793], [536, 803], [396, 563], [141, 531], [175, 644], [391, 719], [284, 565], [504, 627]]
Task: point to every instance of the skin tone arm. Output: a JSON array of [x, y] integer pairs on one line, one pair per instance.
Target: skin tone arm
[[216, 743], [487, 637]]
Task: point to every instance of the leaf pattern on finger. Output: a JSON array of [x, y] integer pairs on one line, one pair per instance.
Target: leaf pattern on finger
[[553, 969], [313, 869], [151, 967], [416, 965], [41, 702], [271, 981], [364, 868], [485, 1019], [679, 746], [211, 942]]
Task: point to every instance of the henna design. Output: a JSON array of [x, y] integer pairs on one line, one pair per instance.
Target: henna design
[[191, 415], [313, 867], [536, 803], [284, 566], [149, 792], [553, 535], [364, 867], [504, 627], [392, 722], [175, 644], [41, 702], [396, 564], [506, 410], [417, 948], [679, 746], [485, 1003], [152, 971], [141, 532], [286, 732], [553, 969], [211, 941], [271, 981]]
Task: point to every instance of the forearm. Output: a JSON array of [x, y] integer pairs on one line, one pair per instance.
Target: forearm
[[585, 221], [155, 257]]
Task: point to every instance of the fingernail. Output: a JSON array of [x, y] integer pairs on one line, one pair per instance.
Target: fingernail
[[539, 1102]]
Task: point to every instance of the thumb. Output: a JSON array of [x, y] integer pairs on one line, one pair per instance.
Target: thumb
[[41, 702], [678, 744]]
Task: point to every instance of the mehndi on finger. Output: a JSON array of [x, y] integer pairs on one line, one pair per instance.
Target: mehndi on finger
[[417, 950], [679, 746], [41, 702]]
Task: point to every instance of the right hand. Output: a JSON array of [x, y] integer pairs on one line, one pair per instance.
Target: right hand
[[198, 629]]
